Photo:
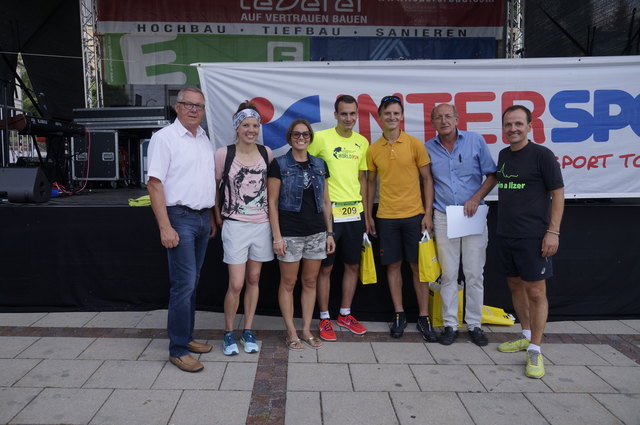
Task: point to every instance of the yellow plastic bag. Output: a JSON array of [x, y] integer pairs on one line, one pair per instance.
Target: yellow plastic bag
[[367, 265], [490, 315], [435, 304], [496, 316], [428, 264]]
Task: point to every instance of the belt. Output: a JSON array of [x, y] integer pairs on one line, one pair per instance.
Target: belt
[[184, 207]]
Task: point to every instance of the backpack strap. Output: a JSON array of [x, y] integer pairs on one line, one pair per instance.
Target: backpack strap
[[263, 152], [224, 183], [231, 154]]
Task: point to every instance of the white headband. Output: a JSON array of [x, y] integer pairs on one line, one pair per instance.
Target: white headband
[[244, 114]]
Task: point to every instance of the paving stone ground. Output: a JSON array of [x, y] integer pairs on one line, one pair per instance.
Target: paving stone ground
[[111, 368]]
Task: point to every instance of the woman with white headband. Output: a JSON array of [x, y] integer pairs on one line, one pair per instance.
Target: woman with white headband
[[241, 175]]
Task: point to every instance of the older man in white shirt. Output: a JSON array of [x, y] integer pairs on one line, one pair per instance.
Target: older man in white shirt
[[182, 190]]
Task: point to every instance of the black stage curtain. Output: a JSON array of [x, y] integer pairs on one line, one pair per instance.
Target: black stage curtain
[[47, 33], [109, 258]]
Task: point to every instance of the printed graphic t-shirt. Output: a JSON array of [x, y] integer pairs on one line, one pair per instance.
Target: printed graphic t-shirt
[[525, 178], [246, 196]]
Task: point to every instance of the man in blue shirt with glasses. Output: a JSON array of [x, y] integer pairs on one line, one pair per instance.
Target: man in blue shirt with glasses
[[460, 160]]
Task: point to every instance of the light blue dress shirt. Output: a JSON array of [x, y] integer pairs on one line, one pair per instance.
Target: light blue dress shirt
[[459, 174]]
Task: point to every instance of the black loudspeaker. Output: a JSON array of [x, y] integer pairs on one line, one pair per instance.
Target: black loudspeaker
[[24, 185]]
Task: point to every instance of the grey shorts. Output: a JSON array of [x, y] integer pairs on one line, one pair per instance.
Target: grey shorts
[[244, 241], [312, 247]]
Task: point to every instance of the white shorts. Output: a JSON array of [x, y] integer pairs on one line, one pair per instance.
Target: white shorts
[[244, 241]]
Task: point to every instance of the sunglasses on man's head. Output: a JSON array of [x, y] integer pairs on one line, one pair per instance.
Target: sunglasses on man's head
[[389, 99]]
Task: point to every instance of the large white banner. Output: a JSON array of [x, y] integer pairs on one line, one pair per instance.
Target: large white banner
[[586, 110]]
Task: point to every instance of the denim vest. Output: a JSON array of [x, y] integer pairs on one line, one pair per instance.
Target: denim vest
[[292, 182]]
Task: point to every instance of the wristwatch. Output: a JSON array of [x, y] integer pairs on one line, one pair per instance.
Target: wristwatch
[[331, 234]]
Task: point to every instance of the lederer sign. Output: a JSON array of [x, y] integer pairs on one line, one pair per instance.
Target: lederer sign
[[312, 18], [153, 41], [586, 110]]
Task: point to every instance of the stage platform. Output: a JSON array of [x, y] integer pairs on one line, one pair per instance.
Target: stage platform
[[94, 252], [91, 197]]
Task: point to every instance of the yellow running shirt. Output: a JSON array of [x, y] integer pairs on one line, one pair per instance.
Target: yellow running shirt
[[345, 157]]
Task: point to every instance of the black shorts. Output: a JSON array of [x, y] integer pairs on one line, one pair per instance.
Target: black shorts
[[348, 237], [522, 257], [399, 238]]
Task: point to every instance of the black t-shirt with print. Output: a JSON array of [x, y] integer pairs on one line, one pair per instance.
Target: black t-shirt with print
[[525, 178]]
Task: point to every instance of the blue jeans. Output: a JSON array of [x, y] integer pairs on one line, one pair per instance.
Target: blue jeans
[[185, 261]]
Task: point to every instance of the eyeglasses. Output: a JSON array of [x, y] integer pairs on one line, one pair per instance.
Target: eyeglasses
[[448, 117], [191, 106], [389, 99], [297, 134]]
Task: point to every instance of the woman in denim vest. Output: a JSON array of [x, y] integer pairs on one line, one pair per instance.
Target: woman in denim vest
[[300, 216]]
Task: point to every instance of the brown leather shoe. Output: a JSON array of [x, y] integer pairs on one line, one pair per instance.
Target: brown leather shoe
[[187, 363], [199, 347]]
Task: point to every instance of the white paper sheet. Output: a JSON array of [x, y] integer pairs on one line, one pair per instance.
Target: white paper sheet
[[458, 225]]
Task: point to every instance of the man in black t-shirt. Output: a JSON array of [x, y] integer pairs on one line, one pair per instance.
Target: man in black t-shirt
[[530, 207]]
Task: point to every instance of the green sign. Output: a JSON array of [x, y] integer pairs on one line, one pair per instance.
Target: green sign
[[166, 59]]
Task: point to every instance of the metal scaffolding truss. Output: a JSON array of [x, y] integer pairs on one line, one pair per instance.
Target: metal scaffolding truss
[[91, 55], [514, 39]]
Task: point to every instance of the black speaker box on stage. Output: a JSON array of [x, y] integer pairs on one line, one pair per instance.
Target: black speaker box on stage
[[24, 185]]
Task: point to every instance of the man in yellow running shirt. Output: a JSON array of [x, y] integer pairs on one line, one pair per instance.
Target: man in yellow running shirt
[[344, 151]]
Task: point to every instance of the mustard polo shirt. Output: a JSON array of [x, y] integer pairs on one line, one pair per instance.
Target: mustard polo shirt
[[397, 165]]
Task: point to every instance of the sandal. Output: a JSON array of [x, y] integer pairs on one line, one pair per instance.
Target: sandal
[[294, 344], [313, 342]]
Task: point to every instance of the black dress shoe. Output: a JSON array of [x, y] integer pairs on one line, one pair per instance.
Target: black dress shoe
[[448, 336], [396, 329], [478, 337], [426, 330]]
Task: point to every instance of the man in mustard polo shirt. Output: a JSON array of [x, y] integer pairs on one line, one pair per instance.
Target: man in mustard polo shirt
[[401, 161], [344, 151]]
